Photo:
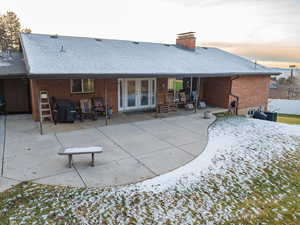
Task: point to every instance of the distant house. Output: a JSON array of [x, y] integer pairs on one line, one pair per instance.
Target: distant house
[[285, 106], [273, 84], [135, 75]]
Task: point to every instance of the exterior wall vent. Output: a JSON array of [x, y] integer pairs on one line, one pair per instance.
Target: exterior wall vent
[[135, 42], [98, 39]]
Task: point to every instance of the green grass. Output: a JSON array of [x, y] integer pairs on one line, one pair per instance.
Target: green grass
[[224, 115], [276, 196], [289, 119]]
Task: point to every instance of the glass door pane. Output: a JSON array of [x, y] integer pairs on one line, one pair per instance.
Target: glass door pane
[[121, 97], [131, 93], [153, 93], [144, 92]]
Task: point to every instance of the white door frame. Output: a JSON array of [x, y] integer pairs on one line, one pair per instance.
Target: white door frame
[[122, 85]]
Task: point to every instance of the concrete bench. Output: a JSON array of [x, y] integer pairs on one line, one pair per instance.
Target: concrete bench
[[80, 151]]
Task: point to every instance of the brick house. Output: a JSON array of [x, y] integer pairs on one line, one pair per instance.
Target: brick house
[[139, 75]]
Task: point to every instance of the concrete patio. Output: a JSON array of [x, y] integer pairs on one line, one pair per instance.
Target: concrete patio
[[133, 151]]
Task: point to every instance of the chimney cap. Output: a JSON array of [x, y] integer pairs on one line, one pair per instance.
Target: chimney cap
[[186, 34]]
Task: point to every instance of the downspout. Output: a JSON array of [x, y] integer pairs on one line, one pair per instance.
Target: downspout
[[233, 95]]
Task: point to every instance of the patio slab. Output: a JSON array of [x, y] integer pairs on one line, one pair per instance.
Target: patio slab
[[116, 173], [122, 131], [67, 179], [6, 183], [84, 137], [33, 164], [142, 144], [195, 148], [172, 158], [133, 151]]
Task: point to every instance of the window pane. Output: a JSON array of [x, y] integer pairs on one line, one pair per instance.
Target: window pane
[[171, 84], [131, 93], [153, 92], [144, 92], [76, 85], [179, 85], [88, 85], [121, 93]]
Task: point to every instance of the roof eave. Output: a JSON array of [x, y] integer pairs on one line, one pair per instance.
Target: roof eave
[[13, 76], [129, 75], [27, 66]]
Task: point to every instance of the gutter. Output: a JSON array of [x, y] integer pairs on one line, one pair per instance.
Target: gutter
[[133, 75], [233, 95]]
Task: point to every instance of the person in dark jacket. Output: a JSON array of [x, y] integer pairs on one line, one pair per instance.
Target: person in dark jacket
[[233, 106], [2, 104]]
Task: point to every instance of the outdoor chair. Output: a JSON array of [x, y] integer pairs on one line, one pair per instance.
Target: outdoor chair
[[86, 110], [98, 106], [182, 100]]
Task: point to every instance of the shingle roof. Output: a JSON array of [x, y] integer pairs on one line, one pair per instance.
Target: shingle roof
[[62, 55], [12, 65]]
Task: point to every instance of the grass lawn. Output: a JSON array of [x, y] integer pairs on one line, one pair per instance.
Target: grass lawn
[[290, 119], [248, 182], [272, 198]]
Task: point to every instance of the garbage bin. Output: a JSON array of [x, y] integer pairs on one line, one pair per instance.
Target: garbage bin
[[271, 116], [260, 115], [65, 111]]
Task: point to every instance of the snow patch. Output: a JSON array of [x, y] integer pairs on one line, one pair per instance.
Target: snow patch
[[86, 149]]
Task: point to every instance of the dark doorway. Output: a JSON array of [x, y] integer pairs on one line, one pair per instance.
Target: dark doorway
[[16, 94]]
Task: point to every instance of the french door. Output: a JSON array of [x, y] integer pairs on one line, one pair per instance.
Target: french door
[[136, 93]]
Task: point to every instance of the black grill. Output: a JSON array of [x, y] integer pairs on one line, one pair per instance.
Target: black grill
[[64, 111]]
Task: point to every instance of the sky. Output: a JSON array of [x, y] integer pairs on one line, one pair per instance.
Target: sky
[[264, 30]]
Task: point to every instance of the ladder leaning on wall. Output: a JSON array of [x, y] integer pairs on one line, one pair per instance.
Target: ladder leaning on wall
[[44, 109]]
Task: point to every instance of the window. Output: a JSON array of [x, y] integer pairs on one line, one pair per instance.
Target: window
[[171, 84], [82, 85], [175, 84]]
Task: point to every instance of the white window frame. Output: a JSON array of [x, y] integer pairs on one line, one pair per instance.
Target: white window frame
[[138, 96], [82, 92]]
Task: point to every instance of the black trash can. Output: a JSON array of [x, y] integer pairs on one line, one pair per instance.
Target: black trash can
[[260, 115], [64, 111], [272, 116]]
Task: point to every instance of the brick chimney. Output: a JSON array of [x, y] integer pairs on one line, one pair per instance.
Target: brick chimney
[[186, 40]]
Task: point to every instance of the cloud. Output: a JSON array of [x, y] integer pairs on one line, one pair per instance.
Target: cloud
[[265, 52]]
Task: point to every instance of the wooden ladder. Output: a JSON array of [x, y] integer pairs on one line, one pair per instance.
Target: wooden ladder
[[45, 109]]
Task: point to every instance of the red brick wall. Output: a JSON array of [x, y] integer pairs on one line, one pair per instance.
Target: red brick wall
[[253, 91], [215, 91], [61, 89]]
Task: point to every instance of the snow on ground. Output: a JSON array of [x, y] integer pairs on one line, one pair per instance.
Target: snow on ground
[[231, 142], [86, 149], [237, 150]]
